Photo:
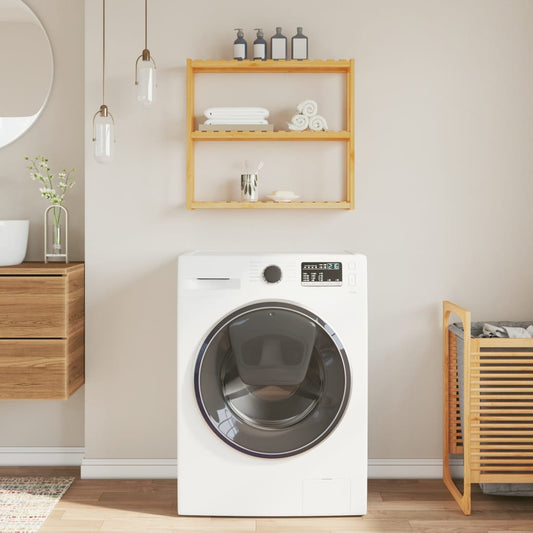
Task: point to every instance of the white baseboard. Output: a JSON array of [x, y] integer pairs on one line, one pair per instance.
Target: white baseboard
[[411, 468], [41, 455], [404, 468], [128, 469], [166, 468]]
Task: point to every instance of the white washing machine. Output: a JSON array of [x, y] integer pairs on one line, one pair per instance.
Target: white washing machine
[[272, 384]]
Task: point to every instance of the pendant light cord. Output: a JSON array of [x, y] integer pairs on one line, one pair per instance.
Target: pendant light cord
[[103, 52], [145, 24]]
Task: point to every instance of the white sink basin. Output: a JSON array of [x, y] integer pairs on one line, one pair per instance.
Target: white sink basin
[[13, 241]]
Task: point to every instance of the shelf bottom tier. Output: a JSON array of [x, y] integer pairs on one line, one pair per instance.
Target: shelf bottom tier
[[270, 205]]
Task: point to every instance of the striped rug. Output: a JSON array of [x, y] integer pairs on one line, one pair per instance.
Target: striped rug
[[26, 502]]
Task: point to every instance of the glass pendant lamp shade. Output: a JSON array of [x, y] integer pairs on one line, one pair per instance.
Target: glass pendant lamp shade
[[145, 78], [103, 135]]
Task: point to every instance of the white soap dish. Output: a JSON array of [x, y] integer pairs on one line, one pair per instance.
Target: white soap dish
[[283, 196]]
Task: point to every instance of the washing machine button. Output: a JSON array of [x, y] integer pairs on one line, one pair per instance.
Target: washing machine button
[[352, 280], [272, 274]]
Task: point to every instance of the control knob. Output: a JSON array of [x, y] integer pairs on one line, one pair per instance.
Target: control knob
[[272, 274]]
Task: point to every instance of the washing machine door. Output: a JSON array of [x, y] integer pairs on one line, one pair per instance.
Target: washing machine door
[[272, 379]]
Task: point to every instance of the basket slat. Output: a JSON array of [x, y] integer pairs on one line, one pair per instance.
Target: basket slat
[[455, 438]]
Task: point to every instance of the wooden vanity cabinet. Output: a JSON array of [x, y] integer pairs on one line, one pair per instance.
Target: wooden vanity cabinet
[[42, 331]]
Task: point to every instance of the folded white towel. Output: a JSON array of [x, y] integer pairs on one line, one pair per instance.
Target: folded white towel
[[318, 123], [213, 112], [299, 122], [236, 117], [242, 120], [308, 108]]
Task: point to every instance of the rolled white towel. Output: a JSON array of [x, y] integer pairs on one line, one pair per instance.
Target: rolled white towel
[[243, 120], [308, 108], [216, 112], [299, 122], [318, 123]]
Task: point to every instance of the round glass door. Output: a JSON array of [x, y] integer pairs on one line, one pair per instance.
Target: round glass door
[[272, 379]]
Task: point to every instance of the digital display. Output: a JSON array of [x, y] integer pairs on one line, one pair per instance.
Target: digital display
[[321, 274]]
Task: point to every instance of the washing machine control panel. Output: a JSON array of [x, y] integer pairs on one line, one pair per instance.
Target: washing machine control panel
[[319, 274]]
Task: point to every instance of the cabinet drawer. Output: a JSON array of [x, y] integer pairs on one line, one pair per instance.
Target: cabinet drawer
[[41, 369], [33, 306]]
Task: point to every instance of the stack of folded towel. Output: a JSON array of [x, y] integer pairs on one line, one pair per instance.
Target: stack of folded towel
[[236, 115], [308, 117]]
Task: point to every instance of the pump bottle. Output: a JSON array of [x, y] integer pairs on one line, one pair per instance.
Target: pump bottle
[[260, 46], [240, 47]]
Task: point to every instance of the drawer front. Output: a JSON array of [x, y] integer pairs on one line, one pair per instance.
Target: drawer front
[[32, 306], [33, 369]]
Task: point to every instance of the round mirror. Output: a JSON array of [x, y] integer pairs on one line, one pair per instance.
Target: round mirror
[[27, 68]]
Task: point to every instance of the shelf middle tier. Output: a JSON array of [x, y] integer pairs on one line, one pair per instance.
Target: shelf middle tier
[[270, 135]]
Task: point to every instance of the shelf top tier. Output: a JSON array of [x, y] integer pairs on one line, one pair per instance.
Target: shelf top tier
[[233, 65], [32, 268]]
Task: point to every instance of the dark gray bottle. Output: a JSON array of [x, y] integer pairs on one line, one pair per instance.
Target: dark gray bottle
[[240, 47], [260, 46], [299, 48], [278, 45]]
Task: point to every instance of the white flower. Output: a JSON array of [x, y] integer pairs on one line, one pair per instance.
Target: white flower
[[40, 170]]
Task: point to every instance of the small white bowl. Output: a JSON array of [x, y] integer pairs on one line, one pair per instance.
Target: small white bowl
[[13, 241]]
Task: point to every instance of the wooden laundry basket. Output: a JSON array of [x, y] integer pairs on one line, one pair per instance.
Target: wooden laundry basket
[[497, 444]]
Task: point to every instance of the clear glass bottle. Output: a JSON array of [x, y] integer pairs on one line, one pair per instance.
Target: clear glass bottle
[[278, 45], [260, 46], [299, 49], [240, 46]]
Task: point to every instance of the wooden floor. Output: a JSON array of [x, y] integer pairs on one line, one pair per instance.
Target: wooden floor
[[149, 506]]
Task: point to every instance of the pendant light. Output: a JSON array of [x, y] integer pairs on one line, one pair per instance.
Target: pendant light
[[145, 69], [103, 122]]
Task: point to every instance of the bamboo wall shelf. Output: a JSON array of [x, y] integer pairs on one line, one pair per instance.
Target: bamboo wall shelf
[[343, 66], [42, 329]]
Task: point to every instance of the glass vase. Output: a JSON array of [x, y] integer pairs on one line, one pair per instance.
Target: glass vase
[[56, 234]]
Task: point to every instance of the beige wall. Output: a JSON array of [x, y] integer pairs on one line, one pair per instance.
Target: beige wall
[[443, 191], [58, 135], [27, 74]]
